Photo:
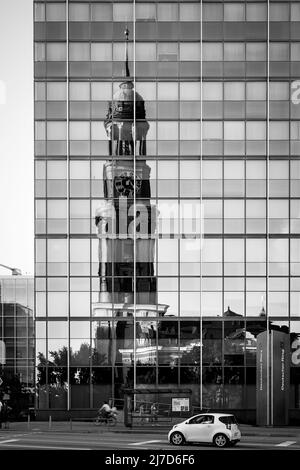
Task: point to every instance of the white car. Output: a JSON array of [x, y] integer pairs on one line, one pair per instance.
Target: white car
[[220, 429]]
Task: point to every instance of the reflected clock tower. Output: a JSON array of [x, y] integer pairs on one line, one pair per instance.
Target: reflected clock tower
[[126, 225], [126, 259]]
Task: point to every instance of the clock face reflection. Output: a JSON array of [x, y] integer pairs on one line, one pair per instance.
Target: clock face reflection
[[124, 184]]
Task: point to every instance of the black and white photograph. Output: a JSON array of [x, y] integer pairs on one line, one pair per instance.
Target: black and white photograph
[[150, 229]]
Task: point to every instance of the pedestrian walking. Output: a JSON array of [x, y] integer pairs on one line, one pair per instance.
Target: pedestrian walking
[[154, 412], [5, 411], [142, 411]]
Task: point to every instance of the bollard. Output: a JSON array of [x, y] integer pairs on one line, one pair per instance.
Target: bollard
[[50, 421], [28, 421]]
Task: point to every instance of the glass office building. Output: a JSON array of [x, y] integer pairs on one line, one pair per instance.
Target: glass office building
[[17, 342], [167, 199]]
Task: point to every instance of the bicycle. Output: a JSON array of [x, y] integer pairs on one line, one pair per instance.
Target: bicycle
[[108, 420]]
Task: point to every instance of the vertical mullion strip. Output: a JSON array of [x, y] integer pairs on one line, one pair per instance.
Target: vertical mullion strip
[[179, 236], [289, 178], [34, 246], [90, 216], [46, 214], [112, 242], [134, 202], [201, 202], [223, 211], [1, 309], [28, 338], [157, 224], [269, 385], [68, 201], [15, 327]]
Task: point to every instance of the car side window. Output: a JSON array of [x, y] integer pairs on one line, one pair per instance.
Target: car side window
[[202, 420], [228, 420], [196, 420], [208, 420]]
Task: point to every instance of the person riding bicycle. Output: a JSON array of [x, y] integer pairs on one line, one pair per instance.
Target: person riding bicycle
[[105, 411]]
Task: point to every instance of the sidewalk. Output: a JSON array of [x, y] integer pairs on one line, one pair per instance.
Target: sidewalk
[[161, 429]]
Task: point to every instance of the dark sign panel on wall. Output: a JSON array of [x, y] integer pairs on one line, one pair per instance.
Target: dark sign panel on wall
[[280, 364], [273, 355], [261, 380]]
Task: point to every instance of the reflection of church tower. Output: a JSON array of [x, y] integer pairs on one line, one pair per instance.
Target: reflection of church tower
[[125, 173]]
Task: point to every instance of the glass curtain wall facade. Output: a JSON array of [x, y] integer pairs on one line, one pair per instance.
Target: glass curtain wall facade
[[220, 86], [17, 342]]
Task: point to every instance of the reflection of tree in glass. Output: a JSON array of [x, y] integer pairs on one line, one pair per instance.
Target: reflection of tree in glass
[[20, 396], [190, 375], [81, 356], [192, 356], [55, 368], [56, 372], [99, 359], [212, 351], [101, 375], [80, 375]]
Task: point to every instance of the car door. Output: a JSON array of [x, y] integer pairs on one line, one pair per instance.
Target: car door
[[208, 428], [199, 429]]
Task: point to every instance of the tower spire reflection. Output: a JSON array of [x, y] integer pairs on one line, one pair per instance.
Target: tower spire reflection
[[126, 208]]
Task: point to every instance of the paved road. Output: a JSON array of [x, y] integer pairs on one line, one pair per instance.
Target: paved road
[[40, 440]]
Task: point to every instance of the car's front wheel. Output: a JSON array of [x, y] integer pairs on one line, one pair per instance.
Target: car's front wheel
[[220, 440], [177, 439]]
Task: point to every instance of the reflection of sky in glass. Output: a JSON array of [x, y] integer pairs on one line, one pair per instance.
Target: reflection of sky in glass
[[16, 116], [80, 329], [2, 92]]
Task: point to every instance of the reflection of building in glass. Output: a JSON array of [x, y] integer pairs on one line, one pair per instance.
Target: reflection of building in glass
[[222, 132], [126, 254], [17, 341]]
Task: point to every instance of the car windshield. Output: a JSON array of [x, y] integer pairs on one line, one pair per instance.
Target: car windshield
[[228, 419]]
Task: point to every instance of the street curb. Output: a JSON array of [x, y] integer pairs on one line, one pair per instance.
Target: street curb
[[156, 431], [252, 434], [135, 431]]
